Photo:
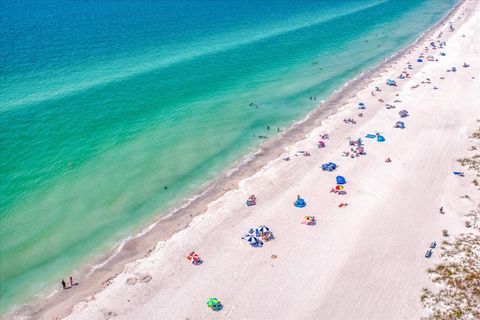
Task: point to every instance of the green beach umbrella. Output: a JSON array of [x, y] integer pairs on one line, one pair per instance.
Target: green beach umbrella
[[213, 303]]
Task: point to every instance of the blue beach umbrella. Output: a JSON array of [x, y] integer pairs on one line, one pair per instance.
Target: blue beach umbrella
[[263, 229], [341, 180], [251, 239], [300, 203]]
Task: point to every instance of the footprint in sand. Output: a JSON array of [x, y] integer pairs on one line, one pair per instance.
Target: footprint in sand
[[131, 281], [109, 314]]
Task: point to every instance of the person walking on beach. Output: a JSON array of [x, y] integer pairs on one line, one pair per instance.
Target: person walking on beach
[[71, 281], [64, 285]]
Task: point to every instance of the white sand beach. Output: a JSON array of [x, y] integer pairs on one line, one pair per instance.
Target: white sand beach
[[362, 261]]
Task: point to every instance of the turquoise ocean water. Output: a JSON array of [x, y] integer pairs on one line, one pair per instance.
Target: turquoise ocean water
[[103, 103]]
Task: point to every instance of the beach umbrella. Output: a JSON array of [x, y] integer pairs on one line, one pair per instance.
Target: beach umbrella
[[391, 82], [263, 229], [213, 303], [300, 203], [341, 180], [339, 188], [194, 258], [251, 239]]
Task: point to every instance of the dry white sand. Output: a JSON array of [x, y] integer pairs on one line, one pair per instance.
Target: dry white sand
[[364, 261]]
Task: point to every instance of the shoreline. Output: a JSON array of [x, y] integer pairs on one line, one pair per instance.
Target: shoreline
[[143, 243]]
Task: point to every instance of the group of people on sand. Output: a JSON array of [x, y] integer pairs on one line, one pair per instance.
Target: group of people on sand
[[70, 283], [349, 120], [356, 149], [305, 153], [404, 75]]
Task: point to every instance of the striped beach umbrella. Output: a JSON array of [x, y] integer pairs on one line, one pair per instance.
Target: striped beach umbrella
[[251, 239], [263, 229]]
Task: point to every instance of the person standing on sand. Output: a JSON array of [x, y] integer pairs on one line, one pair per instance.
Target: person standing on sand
[[71, 281], [64, 285]]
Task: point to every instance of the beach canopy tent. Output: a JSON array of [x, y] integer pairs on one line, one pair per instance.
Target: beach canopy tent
[[263, 229], [419, 60], [403, 113], [391, 82], [300, 203], [380, 138], [341, 180], [400, 124], [329, 166]]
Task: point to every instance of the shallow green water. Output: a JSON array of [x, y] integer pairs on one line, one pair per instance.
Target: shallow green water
[[103, 104]]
